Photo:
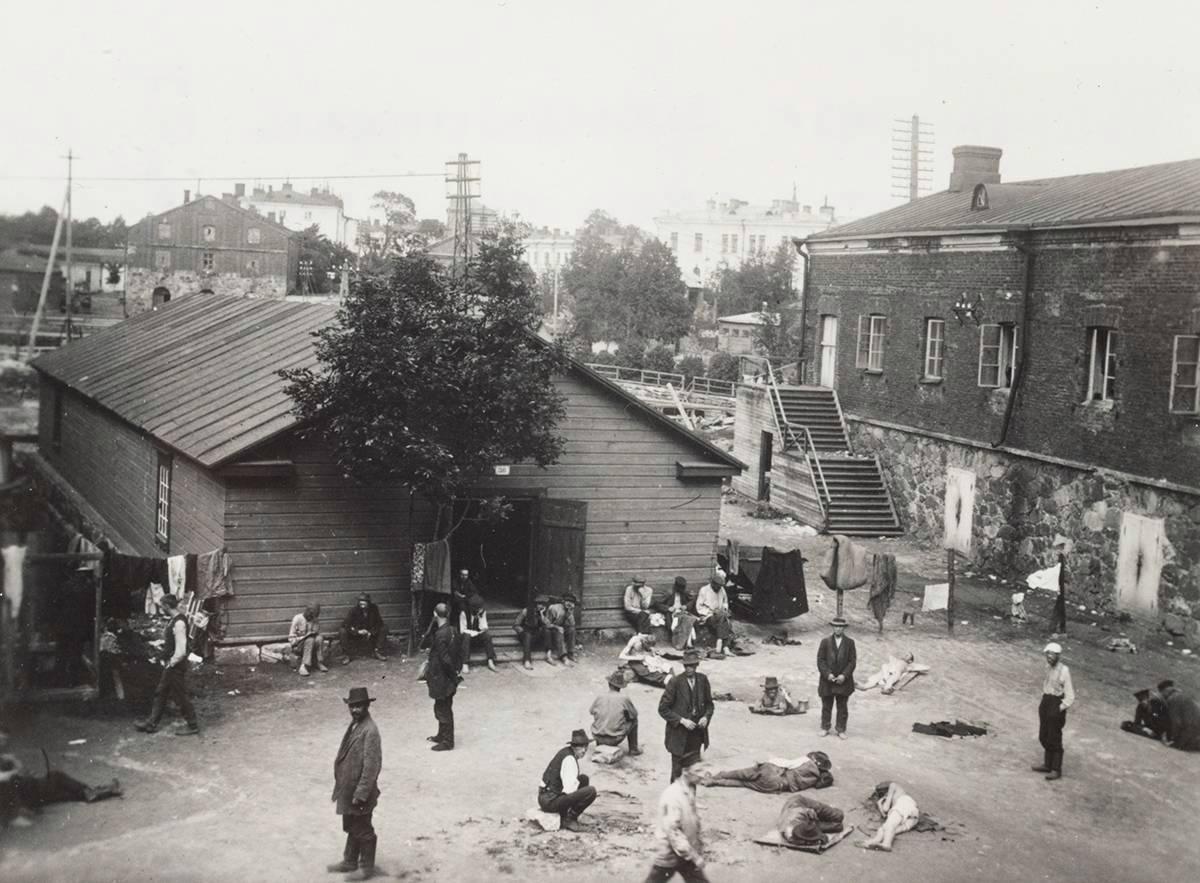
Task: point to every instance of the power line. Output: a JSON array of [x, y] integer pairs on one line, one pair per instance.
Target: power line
[[226, 177]]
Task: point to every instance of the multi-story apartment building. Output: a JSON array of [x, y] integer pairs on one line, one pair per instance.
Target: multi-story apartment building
[[298, 210]]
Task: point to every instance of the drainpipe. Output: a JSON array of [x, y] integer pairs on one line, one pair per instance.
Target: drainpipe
[[802, 250], [1026, 248]]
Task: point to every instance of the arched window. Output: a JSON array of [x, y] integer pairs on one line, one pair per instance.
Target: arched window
[[979, 198]]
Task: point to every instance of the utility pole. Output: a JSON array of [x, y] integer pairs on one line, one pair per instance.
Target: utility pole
[[912, 146], [462, 186], [70, 283]]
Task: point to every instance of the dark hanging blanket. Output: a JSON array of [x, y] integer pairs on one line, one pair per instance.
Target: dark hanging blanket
[[778, 590]]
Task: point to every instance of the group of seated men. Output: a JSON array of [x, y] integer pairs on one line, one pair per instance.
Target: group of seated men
[[1167, 714], [362, 632], [679, 617]]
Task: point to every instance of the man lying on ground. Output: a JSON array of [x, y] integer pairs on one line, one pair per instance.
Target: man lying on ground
[[900, 814], [643, 660], [891, 672], [775, 700], [22, 796], [777, 775], [806, 821]]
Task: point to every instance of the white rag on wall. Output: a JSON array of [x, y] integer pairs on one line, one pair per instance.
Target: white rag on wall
[[937, 597], [177, 574], [1047, 579], [154, 595], [14, 577]]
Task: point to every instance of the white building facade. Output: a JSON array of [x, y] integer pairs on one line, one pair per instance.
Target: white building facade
[[298, 210]]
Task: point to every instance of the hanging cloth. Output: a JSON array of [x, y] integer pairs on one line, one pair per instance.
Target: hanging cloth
[[14, 577], [883, 586], [177, 575], [437, 567], [212, 574], [779, 589], [845, 565]]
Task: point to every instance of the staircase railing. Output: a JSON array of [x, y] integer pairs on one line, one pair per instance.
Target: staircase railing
[[807, 448]]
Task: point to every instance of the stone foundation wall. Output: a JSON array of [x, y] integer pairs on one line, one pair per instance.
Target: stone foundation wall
[[1022, 504], [142, 282]]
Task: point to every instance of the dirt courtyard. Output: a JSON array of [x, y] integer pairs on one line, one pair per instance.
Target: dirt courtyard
[[249, 798]]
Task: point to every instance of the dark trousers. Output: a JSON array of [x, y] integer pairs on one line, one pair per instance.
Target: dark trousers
[[553, 639], [640, 621], [684, 869], [360, 840], [354, 644], [679, 762], [485, 639], [443, 711], [569, 806], [1059, 620], [631, 734], [720, 626], [843, 711], [1051, 721], [173, 688]]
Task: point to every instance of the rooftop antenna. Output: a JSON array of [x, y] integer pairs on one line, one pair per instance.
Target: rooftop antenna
[[912, 148]]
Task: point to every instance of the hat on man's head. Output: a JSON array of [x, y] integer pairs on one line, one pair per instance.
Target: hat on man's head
[[1162, 685], [364, 597], [617, 679], [638, 581], [680, 583], [839, 621], [476, 602], [542, 599], [579, 739], [169, 600], [1052, 647], [716, 581], [821, 759], [567, 596], [691, 657], [358, 696], [771, 683], [1142, 695], [805, 829]]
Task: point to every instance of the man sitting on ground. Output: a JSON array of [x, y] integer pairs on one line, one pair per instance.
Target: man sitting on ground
[[532, 627], [639, 604], [778, 775], [362, 631], [643, 660], [775, 700], [564, 789], [712, 610], [900, 814], [615, 717], [560, 616], [891, 672], [305, 638], [1150, 716], [1183, 718], [806, 821], [473, 628]]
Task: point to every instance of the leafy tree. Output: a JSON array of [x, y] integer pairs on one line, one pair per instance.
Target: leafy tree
[[760, 279], [324, 256], [604, 357], [653, 297], [593, 279], [431, 229], [428, 379], [37, 228], [690, 367], [724, 366], [632, 353], [659, 358], [779, 338]]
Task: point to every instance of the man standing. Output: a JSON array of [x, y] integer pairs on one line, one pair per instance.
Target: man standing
[[564, 789], [473, 626], [441, 677], [836, 659], [638, 604], [687, 707], [173, 683], [355, 786], [363, 630], [615, 717], [560, 617], [1058, 694], [305, 638], [680, 849]]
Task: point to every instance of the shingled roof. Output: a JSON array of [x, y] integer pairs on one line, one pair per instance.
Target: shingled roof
[[199, 374], [1166, 191]]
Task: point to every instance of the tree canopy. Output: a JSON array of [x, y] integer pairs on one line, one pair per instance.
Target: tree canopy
[[760, 279], [429, 379], [324, 256], [37, 228]]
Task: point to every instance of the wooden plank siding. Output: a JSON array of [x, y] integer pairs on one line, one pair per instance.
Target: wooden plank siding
[[115, 468], [792, 489], [754, 417]]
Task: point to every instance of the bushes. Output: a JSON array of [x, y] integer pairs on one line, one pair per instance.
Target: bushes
[[659, 359], [632, 353], [604, 357], [690, 366], [724, 366]]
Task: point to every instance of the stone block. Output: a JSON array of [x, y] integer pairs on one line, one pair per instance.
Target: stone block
[[246, 654], [1175, 624], [276, 652]]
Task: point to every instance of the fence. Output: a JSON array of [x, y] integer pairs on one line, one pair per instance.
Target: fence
[[646, 377]]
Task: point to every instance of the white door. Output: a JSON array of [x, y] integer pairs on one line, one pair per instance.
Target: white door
[[1139, 562], [828, 350]]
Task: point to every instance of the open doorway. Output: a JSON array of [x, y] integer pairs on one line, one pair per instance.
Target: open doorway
[[766, 452], [497, 554]]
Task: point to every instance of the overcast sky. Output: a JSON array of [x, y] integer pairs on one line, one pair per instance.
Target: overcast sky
[[633, 107]]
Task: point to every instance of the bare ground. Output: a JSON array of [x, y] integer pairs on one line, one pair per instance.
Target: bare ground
[[249, 799]]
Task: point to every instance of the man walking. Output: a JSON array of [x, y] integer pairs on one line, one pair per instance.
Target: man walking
[[172, 686], [687, 707], [441, 677], [836, 659], [305, 638], [564, 789], [356, 788], [680, 849], [1058, 694]]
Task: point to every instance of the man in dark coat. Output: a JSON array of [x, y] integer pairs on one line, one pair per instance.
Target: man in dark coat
[[687, 707], [1183, 718], [362, 630], [836, 659], [1150, 716], [441, 677], [355, 786]]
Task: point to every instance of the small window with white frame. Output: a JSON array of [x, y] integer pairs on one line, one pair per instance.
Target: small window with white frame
[[733, 243], [162, 518], [698, 242], [164, 230], [869, 355], [206, 261], [1102, 364], [724, 243], [1185, 374], [935, 348], [997, 355]]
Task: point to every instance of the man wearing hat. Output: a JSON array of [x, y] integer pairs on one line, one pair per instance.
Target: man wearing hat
[[441, 677], [564, 789], [473, 627], [1150, 716], [1058, 694], [775, 699], [362, 630], [806, 821], [356, 788], [639, 604], [532, 626], [172, 686], [614, 716], [836, 658], [687, 707], [560, 616]]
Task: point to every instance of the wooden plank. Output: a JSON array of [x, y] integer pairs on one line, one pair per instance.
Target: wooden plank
[[247, 587]]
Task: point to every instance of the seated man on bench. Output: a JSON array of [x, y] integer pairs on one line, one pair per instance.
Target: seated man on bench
[[362, 631]]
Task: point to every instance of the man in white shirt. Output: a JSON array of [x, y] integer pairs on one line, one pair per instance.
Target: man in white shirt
[[712, 610], [1058, 694], [305, 639], [564, 789], [638, 604]]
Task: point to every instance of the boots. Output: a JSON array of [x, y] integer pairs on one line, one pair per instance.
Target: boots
[[1047, 763], [150, 724], [113, 789], [349, 860], [1055, 764], [366, 862]]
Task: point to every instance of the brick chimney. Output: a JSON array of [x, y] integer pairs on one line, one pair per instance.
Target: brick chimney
[[239, 190], [187, 197], [974, 165]]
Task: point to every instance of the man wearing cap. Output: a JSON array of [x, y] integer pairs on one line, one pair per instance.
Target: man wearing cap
[[441, 677], [564, 789], [355, 786], [614, 716], [677, 833], [362, 630], [1150, 716], [712, 610], [774, 700], [836, 659], [532, 626], [687, 707], [305, 639], [1058, 694], [560, 617], [473, 628], [639, 604], [172, 686], [806, 821]]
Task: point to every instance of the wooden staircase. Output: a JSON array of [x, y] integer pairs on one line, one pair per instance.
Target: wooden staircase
[[816, 409]]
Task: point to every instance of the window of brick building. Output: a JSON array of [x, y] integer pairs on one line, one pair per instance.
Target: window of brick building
[[870, 342], [935, 336], [698, 242], [209, 232], [254, 236], [733, 243], [997, 355], [1102, 364], [162, 519], [674, 242], [162, 260], [164, 230], [724, 243], [1185, 375], [206, 260]]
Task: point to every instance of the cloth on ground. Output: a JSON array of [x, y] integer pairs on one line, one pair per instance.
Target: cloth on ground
[[949, 730], [845, 565], [437, 567], [784, 641], [608, 754], [937, 597], [883, 586]]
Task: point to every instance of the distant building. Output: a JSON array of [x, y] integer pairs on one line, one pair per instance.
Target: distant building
[[548, 250], [735, 334], [208, 245], [298, 210], [724, 234], [93, 270], [21, 282]]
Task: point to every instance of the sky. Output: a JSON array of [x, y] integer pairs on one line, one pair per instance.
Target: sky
[[632, 107]]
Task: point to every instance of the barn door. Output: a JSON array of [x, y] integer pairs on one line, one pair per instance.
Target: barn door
[[558, 547]]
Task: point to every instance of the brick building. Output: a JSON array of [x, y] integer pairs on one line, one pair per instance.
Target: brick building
[[1045, 336], [209, 245]]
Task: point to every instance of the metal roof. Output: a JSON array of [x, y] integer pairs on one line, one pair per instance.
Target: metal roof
[[199, 374], [1166, 190]]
